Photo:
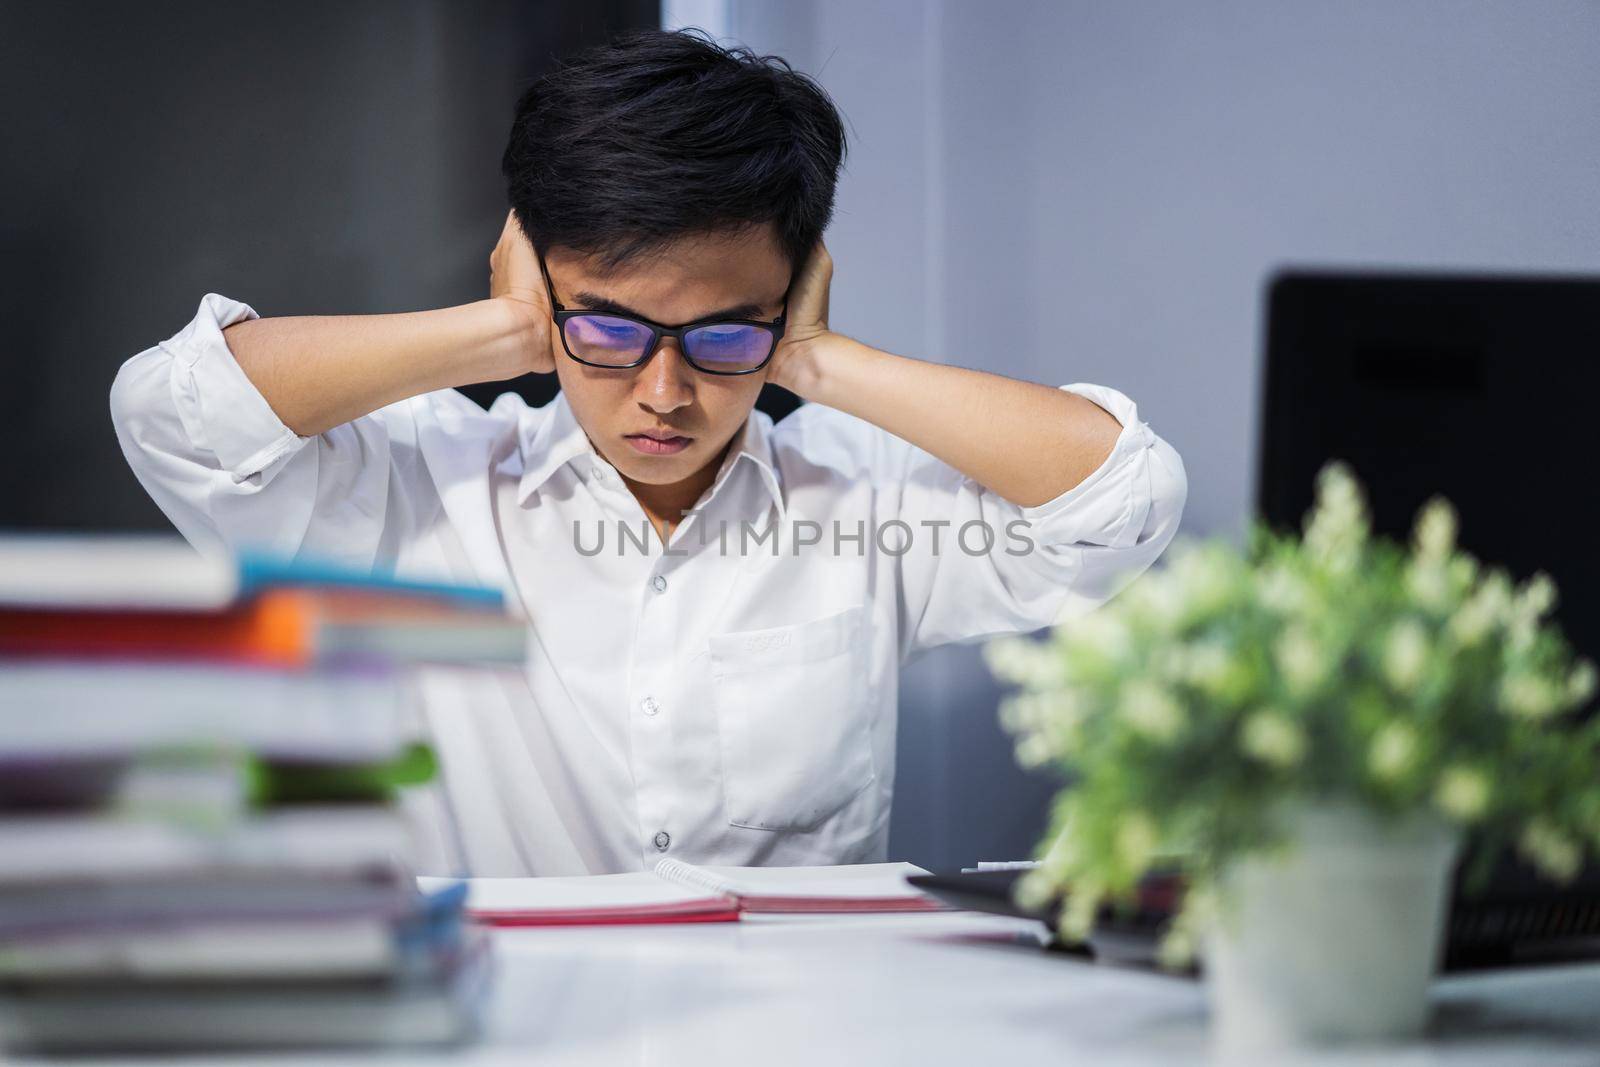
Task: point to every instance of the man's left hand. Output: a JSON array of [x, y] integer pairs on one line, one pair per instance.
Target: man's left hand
[[807, 320]]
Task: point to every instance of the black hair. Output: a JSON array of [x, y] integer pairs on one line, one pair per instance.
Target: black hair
[[659, 135]]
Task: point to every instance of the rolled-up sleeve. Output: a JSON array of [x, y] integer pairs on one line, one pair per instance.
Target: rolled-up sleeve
[[1042, 564], [210, 451]]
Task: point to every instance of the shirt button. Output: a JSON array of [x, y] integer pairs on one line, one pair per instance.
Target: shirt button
[[663, 840], [659, 583], [649, 706]]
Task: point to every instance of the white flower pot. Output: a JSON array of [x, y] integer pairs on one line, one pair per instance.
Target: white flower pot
[[1335, 940]]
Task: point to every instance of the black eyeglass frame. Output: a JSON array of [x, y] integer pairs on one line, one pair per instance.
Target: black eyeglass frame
[[562, 315]]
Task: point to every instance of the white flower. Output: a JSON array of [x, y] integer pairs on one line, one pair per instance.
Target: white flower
[[1202, 581], [1435, 572], [1157, 597], [1035, 890], [1169, 661], [1060, 717], [1581, 682], [1520, 633], [1428, 582], [1462, 793], [1178, 948], [1102, 633], [1151, 710], [1068, 704], [1405, 656], [1336, 531], [1496, 592], [1435, 533], [1393, 751], [1281, 590], [1551, 850], [1033, 751], [1083, 905], [1301, 660], [1016, 713], [1273, 739], [1536, 597], [1527, 696], [1474, 619], [1136, 840], [1463, 570], [1065, 739], [1210, 668], [1024, 661], [1005, 657]]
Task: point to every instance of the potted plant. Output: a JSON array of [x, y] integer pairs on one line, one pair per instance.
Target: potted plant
[[1307, 726]]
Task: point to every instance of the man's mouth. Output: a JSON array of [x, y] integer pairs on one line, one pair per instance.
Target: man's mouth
[[658, 442]]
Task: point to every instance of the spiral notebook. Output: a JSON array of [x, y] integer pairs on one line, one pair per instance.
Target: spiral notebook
[[675, 891]]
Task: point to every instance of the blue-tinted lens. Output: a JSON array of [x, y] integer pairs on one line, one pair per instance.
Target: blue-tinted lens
[[728, 348], [606, 339]]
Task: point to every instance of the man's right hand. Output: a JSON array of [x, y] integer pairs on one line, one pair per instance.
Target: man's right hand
[[514, 278], [321, 371]]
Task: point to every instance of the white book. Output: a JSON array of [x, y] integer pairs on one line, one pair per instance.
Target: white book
[[328, 841], [163, 573], [859, 887], [58, 910], [207, 1017], [124, 571], [279, 949], [675, 888], [64, 708], [635, 897]]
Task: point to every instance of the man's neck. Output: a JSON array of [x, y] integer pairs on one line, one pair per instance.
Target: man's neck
[[664, 505]]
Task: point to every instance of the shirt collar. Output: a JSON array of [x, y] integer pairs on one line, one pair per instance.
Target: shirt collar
[[559, 440], [753, 446], [556, 441]]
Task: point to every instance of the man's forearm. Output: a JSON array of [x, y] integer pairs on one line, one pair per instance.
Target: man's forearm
[[318, 372], [1029, 443]]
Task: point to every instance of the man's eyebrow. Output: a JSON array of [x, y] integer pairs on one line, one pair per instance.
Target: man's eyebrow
[[587, 301]]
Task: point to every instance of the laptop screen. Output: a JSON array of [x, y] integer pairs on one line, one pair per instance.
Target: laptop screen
[[1480, 388]]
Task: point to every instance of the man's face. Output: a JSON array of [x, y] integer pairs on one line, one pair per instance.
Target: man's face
[[628, 413]]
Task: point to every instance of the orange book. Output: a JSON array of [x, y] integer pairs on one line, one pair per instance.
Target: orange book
[[278, 627]]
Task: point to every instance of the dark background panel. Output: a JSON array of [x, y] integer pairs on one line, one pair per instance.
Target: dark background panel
[[305, 158]]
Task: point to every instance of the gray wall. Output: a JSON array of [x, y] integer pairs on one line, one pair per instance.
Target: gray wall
[[1108, 182], [1095, 191]]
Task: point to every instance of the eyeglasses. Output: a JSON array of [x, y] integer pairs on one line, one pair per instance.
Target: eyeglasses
[[616, 341]]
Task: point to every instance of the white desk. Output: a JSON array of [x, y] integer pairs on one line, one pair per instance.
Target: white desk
[[957, 989]]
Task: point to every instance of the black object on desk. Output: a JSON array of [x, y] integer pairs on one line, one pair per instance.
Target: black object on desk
[[1482, 388], [1127, 935], [1519, 920]]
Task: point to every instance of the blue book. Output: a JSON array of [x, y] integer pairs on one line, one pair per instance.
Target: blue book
[[258, 571]]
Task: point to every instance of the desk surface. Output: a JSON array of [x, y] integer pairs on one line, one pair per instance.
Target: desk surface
[[933, 989]]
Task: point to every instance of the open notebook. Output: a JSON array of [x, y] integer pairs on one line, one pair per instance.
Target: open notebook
[[683, 892]]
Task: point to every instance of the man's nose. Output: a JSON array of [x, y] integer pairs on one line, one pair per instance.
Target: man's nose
[[666, 383]]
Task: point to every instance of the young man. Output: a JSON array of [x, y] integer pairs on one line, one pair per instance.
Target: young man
[[723, 690]]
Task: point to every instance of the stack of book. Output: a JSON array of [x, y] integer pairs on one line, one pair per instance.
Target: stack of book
[[200, 840]]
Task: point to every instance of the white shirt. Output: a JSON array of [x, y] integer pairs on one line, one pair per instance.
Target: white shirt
[[714, 701]]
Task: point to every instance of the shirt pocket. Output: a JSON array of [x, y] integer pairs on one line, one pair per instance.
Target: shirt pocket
[[791, 715]]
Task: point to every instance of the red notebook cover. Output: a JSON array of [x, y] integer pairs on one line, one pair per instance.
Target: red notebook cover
[[590, 900], [709, 911]]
